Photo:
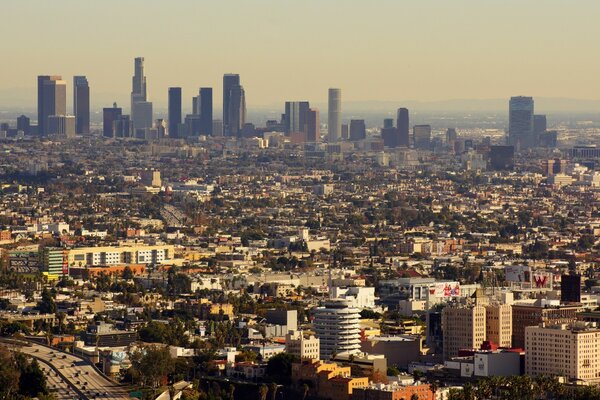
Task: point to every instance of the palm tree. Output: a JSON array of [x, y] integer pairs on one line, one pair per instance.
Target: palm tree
[[262, 392], [231, 391], [305, 389], [274, 388]]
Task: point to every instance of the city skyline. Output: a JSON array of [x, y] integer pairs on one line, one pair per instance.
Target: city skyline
[[424, 58]]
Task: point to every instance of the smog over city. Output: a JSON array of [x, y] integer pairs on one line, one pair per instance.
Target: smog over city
[[316, 200]]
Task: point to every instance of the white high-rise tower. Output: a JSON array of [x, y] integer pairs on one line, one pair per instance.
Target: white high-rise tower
[[334, 115]]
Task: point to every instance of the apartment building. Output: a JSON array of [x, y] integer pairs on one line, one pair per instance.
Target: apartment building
[[569, 351], [464, 327], [303, 347], [123, 254]]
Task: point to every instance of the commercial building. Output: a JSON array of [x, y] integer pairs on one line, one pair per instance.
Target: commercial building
[[313, 125], [520, 123], [358, 130], [229, 82], [303, 347], [109, 116], [464, 327], [141, 108], [403, 128], [394, 391], [105, 335], [398, 350], [55, 261], [205, 108], [422, 137], [124, 254], [81, 104], [52, 100], [569, 351], [334, 115], [61, 125], [524, 315], [336, 326], [174, 111], [498, 324]]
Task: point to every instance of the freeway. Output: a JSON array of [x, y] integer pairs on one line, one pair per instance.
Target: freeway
[[75, 372]]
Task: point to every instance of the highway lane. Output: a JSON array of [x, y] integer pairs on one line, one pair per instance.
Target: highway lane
[[77, 373]]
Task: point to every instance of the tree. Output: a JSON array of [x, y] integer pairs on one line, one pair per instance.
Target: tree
[[273, 389], [263, 390], [305, 389], [127, 273], [32, 380], [151, 364], [279, 368], [393, 371], [47, 304], [9, 375]]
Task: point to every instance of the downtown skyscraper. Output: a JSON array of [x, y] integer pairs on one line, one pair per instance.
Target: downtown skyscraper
[[521, 133], [81, 104], [141, 108], [174, 112], [402, 128], [334, 115], [205, 107], [234, 105], [52, 100]]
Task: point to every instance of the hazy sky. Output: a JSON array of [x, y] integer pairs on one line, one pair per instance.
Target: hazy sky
[[373, 49]]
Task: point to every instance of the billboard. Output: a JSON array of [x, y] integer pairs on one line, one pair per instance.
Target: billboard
[[518, 273], [445, 289], [528, 278]]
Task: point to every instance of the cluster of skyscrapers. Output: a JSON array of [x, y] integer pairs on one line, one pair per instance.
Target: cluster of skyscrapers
[[300, 121], [52, 108], [527, 129]]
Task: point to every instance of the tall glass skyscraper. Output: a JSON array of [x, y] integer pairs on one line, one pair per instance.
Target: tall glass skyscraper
[[229, 82], [520, 123], [402, 128], [81, 104], [174, 111], [236, 109], [52, 100], [141, 108], [206, 111]]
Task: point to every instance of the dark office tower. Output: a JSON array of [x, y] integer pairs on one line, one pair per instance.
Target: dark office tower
[[192, 125], [520, 123], [109, 116], [390, 137], [295, 116], [570, 289], [345, 132], [358, 130], [451, 137], [52, 100], [206, 111], [539, 130], [122, 127], [236, 110], [313, 125], [422, 136], [502, 158], [402, 127], [81, 104], [539, 124], [388, 123], [23, 124], [229, 82], [174, 111]]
